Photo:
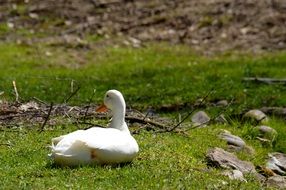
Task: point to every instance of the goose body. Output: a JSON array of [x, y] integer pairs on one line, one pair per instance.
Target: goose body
[[98, 145]]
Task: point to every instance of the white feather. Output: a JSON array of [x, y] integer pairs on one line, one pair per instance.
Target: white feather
[[98, 145]]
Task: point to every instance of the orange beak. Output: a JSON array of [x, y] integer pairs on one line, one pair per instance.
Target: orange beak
[[102, 109]]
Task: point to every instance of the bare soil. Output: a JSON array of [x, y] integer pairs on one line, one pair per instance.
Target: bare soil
[[207, 25]]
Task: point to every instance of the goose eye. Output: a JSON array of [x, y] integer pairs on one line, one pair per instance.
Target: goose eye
[[107, 96]]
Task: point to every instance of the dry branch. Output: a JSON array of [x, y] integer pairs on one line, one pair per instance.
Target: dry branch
[[191, 112], [72, 94], [265, 80], [39, 100], [277, 111], [47, 117], [133, 119]]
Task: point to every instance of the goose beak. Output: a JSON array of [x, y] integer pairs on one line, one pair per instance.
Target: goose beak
[[102, 109]]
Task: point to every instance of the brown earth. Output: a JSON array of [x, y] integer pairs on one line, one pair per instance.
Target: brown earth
[[205, 25]]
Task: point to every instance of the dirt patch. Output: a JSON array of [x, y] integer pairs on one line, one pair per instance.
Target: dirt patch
[[206, 25], [42, 115]]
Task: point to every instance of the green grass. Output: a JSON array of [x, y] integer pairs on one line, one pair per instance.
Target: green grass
[[155, 75], [166, 161]]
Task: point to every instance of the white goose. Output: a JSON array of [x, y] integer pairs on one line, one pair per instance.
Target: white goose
[[98, 145]]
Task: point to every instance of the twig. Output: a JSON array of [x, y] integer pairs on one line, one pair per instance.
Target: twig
[[47, 118], [146, 115], [190, 113], [89, 102], [146, 127], [16, 91], [41, 101], [212, 119], [264, 80], [140, 120], [72, 94], [277, 111]]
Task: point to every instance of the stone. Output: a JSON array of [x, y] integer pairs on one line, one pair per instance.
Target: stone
[[232, 139], [256, 115], [267, 133], [266, 129], [234, 175], [276, 182], [200, 118], [221, 158], [277, 163], [222, 103]]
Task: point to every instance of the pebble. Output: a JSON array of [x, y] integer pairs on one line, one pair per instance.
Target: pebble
[[222, 103], [267, 134], [277, 163], [232, 139], [256, 115], [221, 158], [200, 118], [266, 129], [276, 182]]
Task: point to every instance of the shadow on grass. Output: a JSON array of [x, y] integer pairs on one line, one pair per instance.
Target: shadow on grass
[[52, 165]]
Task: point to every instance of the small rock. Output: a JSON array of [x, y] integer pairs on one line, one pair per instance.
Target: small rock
[[221, 158], [34, 15], [256, 115], [277, 163], [232, 139], [276, 182], [10, 25], [222, 103], [267, 132], [200, 118], [234, 175], [68, 22], [266, 129]]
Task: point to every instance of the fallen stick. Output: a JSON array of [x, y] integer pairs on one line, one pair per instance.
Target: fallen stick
[[276, 111], [265, 80], [39, 100], [190, 113], [133, 119], [47, 118], [88, 105], [71, 95]]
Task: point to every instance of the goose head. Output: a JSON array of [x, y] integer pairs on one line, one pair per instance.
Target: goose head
[[114, 101]]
